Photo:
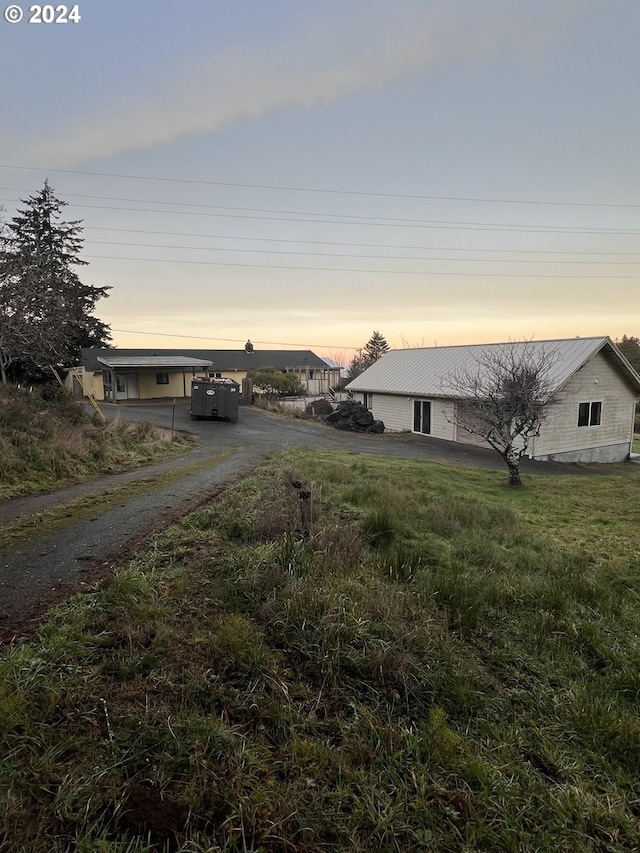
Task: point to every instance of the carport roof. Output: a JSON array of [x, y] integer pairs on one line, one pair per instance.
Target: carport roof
[[172, 361]]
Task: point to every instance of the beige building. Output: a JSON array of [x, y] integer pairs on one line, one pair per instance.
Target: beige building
[[142, 374], [591, 421]]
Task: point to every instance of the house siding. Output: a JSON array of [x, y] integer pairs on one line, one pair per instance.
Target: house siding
[[396, 412], [442, 412], [561, 439], [149, 389], [91, 381]]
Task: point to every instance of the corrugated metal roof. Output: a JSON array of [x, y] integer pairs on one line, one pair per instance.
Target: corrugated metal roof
[[219, 359], [422, 372], [154, 361]]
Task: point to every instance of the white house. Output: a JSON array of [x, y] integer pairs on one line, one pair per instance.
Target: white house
[[591, 420]]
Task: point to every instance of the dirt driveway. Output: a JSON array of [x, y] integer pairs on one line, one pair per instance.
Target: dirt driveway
[[83, 544]]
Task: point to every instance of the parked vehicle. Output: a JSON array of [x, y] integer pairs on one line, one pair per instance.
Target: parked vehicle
[[214, 398]]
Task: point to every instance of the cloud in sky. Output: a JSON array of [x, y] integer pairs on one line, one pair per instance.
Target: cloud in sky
[[315, 62]]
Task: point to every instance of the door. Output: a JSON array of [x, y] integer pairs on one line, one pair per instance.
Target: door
[[133, 391], [422, 416], [127, 386]]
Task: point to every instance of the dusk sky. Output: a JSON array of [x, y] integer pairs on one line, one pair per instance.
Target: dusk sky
[[301, 173]]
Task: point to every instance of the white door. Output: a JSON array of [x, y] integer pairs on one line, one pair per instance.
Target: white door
[[133, 391], [127, 386]]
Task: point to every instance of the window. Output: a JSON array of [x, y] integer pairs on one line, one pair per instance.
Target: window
[[589, 414], [367, 399], [162, 378], [422, 416]]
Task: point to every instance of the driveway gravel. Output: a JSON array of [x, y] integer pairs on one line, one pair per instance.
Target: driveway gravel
[[45, 569]]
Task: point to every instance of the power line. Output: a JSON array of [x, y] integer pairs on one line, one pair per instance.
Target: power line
[[335, 216], [344, 255], [351, 245], [231, 340], [369, 272], [410, 223], [286, 188]]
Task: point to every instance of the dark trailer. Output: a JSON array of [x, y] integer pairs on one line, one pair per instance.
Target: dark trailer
[[215, 398]]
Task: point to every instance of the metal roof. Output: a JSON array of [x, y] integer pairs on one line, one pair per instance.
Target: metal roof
[[423, 372], [219, 359], [153, 361]]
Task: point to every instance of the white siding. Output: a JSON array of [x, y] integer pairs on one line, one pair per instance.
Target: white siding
[[441, 417], [596, 381], [394, 411]]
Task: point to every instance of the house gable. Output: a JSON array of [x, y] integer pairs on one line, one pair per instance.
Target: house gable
[[585, 370]]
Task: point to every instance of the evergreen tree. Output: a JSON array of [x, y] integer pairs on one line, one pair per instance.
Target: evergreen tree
[[45, 309], [629, 346], [373, 350]]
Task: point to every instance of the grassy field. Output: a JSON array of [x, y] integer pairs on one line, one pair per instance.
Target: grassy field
[[47, 440], [344, 653]]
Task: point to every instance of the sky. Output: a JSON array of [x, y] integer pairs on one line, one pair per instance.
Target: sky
[[302, 173]]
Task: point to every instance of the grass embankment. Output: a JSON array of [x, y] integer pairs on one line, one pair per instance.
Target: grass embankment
[[386, 656], [47, 440]]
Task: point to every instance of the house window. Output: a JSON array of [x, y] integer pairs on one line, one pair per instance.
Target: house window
[[589, 414], [367, 399], [162, 378], [422, 416]]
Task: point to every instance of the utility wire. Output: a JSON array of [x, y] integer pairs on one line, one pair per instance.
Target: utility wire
[[351, 245], [286, 188], [436, 224], [232, 340], [369, 272], [337, 216], [345, 255]]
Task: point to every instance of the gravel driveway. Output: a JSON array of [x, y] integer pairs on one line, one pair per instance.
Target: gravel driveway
[[47, 568]]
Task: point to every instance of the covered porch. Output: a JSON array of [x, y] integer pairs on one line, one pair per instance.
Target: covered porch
[[149, 377]]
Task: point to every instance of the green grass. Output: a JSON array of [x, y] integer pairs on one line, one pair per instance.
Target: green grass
[[65, 514], [47, 441], [386, 656]]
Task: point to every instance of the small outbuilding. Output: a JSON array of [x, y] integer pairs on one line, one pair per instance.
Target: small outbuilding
[[590, 421]]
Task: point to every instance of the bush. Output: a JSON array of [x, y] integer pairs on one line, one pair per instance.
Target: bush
[[275, 383]]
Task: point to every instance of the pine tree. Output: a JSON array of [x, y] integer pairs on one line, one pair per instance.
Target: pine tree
[[629, 346], [372, 351], [45, 309], [375, 348]]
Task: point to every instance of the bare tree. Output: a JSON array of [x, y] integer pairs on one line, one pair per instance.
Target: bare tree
[[502, 397]]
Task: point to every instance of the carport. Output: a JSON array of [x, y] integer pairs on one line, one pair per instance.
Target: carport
[[148, 377]]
